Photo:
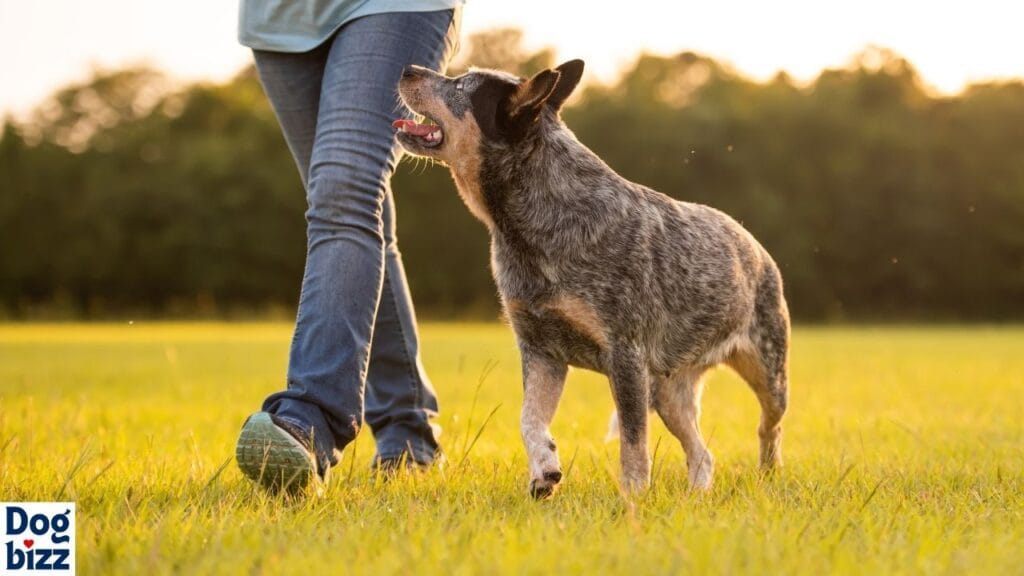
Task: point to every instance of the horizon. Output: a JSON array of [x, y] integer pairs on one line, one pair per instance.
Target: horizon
[[797, 37]]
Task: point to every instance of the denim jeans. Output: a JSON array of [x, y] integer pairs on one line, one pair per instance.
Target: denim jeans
[[355, 349]]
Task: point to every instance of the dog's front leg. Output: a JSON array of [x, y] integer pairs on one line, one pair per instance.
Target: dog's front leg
[[543, 380], [631, 389]]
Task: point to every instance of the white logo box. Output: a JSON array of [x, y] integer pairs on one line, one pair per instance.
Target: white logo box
[[37, 538]]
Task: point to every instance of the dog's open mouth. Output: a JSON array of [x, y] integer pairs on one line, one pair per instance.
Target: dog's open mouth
[[428, 134]]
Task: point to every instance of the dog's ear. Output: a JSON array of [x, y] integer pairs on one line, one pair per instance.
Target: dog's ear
[[569, 74], [530, 96]]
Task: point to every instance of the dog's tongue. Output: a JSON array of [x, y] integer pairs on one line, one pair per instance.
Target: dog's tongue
[[413, 127]]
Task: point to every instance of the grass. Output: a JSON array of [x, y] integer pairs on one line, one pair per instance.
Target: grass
[[904, 454]]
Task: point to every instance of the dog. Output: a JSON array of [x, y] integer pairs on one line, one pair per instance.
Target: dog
[[601, 273]]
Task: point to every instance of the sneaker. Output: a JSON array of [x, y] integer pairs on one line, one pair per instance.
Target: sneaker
[[390, 466], [276, 454]]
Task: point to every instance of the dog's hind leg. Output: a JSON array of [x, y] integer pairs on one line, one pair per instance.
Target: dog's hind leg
[[677, 400], [763, 363], [631, 389], [543, 381]]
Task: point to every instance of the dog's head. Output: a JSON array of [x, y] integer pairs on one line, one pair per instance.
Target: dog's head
[[480, 106]]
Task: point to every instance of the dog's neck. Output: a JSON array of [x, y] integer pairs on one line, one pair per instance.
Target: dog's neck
[[549, 186]]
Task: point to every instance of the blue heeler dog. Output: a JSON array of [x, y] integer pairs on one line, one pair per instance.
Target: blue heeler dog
[[598, 272]]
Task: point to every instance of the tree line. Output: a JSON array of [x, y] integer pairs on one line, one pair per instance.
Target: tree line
[[879, 199]]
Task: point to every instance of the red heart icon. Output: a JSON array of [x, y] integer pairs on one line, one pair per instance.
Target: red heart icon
[[29, 543]]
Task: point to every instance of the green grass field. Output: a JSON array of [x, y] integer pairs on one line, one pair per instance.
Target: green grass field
[[904, 454]]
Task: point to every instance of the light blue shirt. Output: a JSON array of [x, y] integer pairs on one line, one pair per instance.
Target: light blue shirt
[[301, 25]]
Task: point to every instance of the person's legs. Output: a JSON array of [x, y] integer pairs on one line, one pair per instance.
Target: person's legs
[[292, 83], [272, 451], [352, 256], [399, 397]]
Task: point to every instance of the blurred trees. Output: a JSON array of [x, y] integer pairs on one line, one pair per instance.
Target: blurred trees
[[878, 199]]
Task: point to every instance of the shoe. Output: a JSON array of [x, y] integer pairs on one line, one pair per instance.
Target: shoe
[[276, 454], [390, 466]]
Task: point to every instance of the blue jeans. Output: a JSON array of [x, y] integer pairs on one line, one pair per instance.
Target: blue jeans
[[355, 350]]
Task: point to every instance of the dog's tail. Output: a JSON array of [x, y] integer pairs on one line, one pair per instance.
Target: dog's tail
[[613, 428]]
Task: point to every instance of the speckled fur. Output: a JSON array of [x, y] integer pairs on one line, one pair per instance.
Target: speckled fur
[[602, 273]]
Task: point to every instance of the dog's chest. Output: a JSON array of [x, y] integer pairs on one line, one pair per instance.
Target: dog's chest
[[516, 274], [556, 334], [564, 327], [544, 311]]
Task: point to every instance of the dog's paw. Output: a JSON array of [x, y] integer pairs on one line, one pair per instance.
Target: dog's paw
[[702, 479], [771, 453], [544, 487], [634, 484], [702, 472]]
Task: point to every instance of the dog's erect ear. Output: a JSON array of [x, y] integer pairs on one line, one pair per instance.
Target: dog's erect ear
[[569, 74], [531, 95]]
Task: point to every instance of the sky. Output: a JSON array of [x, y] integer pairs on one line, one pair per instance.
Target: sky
[[45, 44]]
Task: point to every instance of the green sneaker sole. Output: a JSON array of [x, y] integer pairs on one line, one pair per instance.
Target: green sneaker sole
[[272, 457]]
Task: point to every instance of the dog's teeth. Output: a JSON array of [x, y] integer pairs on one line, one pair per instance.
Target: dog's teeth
[[435, 135]]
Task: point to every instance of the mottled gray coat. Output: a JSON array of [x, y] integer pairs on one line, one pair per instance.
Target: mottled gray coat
[[602, 273]]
